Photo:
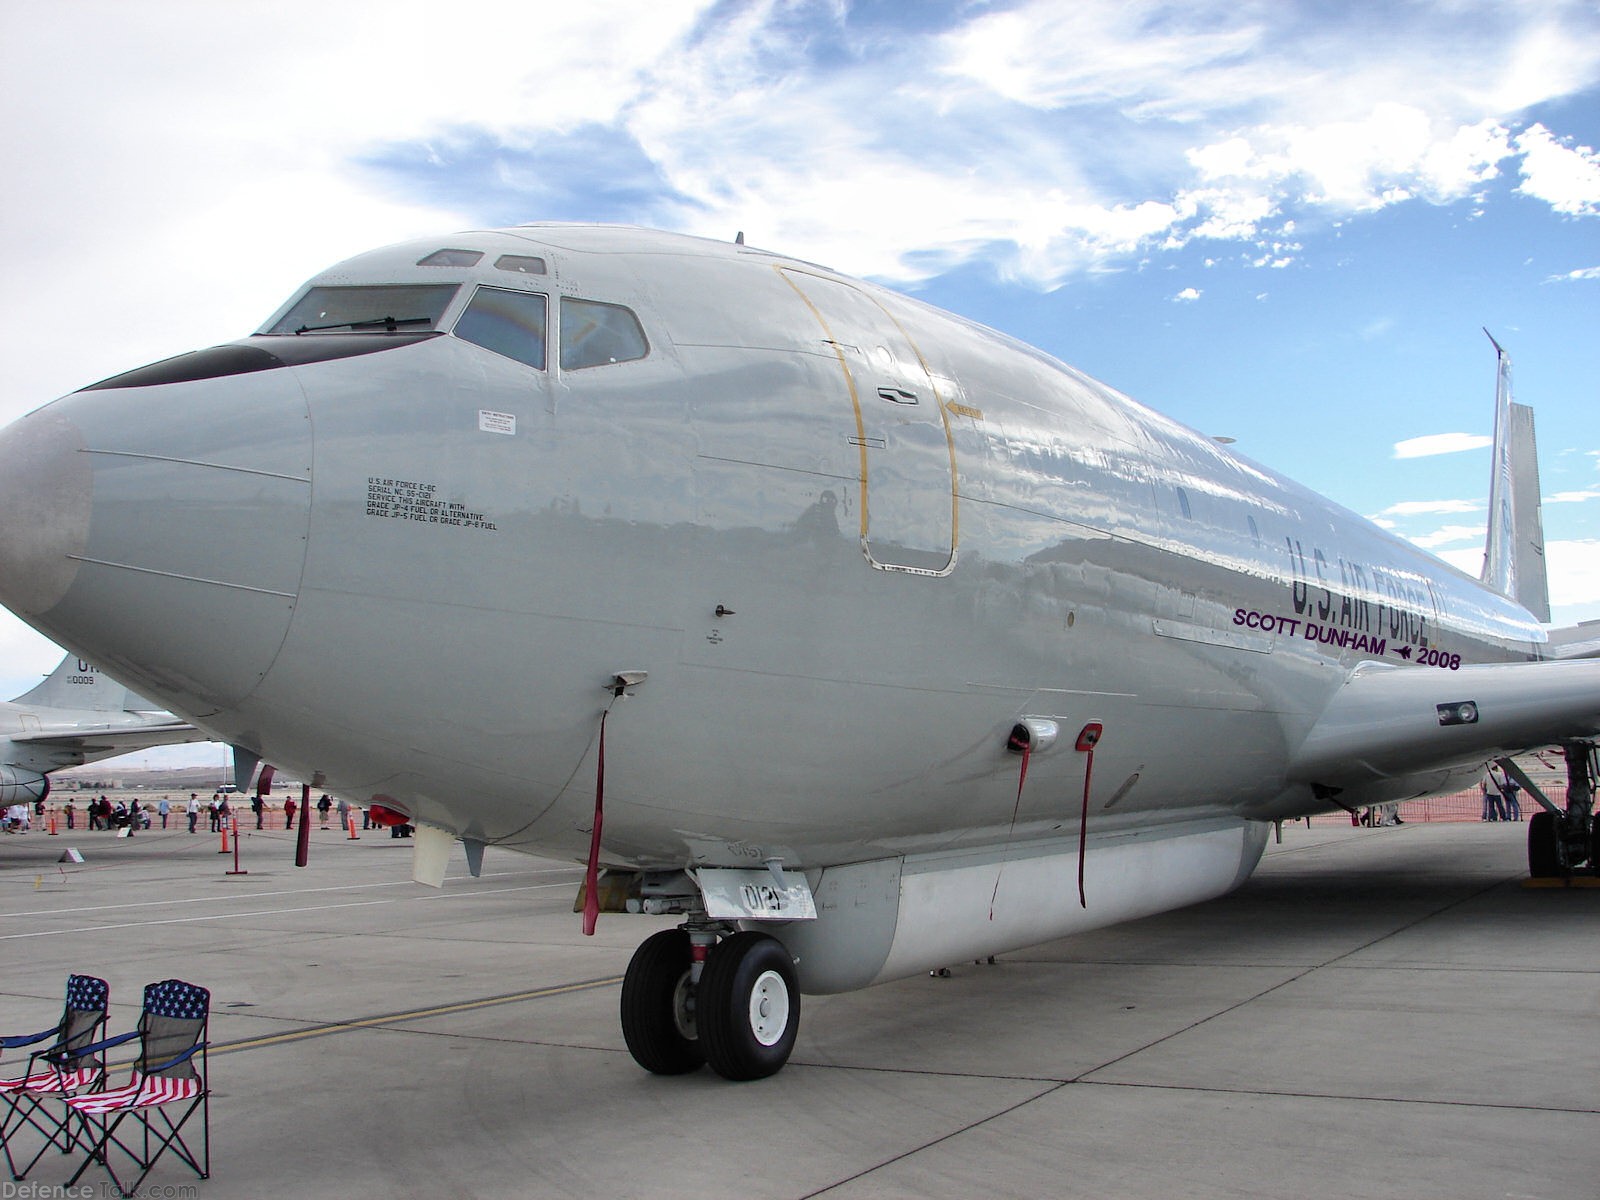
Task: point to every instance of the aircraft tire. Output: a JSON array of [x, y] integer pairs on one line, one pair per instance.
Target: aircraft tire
[[657, 1013], [749, 1003], [1544, 857]]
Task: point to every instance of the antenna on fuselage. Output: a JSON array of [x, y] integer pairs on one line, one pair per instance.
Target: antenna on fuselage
[[738, 238]]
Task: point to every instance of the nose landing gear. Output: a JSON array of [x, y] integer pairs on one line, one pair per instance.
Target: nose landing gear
[[738, 1011]]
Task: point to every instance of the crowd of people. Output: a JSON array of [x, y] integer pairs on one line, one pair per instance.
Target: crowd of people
[[100, 813]]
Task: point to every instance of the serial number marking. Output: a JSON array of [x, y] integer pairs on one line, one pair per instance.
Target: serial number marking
[[408, 500], [761, 898]]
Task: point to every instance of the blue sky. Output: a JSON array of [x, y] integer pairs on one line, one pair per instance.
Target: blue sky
[[1280, 221]]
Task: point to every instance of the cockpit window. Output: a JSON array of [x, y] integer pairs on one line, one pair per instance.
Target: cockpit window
[[507, 322], [383, 308], [523, 264], [451, 258], [594, 334]]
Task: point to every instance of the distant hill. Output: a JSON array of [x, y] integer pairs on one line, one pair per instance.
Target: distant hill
[[105, 777]]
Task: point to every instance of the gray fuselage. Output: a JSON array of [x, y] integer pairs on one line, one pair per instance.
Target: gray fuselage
[[851, 540]]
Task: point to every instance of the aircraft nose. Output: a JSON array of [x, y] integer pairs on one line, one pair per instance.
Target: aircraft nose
[[45, 493], [161, 529]]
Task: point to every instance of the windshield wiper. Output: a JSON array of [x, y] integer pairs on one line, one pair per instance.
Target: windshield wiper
[[390, 324]]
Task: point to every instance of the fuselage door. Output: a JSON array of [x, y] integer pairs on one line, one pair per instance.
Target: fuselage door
[[907, 455]]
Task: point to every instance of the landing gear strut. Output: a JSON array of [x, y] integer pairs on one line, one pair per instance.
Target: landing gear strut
[[739, 1013]]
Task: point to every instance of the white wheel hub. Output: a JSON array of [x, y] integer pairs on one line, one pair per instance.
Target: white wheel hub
[[769, 1008]]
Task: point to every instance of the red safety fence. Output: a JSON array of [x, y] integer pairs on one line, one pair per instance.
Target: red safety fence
[[1466, 805]]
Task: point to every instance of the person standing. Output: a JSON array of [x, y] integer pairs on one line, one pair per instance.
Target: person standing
[[165, 809], [288, 812], [1492, 803], [194, 809], [1510, 806], [323, 805], [72, 815]]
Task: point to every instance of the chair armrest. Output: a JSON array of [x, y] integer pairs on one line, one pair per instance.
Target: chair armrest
[[27, 1039], [53, 1056], [96, 1047], [152, 1068]]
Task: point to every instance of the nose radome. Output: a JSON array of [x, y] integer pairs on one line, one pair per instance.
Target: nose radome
[[46, 495], [160, 529]]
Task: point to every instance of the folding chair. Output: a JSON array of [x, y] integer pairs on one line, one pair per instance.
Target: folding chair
[[172, 1035], [62, 1068]]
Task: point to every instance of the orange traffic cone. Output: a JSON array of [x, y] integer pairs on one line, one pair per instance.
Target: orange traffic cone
[[52, 825], [350, 823], [224, 849]]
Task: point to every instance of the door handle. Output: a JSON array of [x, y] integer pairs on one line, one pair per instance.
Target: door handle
[[895, 395]]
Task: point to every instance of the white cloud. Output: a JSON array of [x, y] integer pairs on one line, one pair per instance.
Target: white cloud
[[1385, 155], [1468, 560], [1573, 497], [1351, 164], [1449, 534], [1409, 508], [1565, 177], [1574, 567], [213, 153], [1137, 52], [1581, 273], [1187, 296], [997, 127], [25, 657], [1574, 573], [1225, 213], [1000, 127], [1440, 443]]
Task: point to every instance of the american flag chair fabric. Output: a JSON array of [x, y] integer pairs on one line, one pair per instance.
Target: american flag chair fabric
[[64, 1066], [134, 1120]]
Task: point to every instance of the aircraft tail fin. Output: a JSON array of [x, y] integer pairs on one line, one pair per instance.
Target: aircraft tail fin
[[1513, 559], [77, 684]]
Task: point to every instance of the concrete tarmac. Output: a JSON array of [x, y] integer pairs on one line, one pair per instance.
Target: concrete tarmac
[[1377, 1013]]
